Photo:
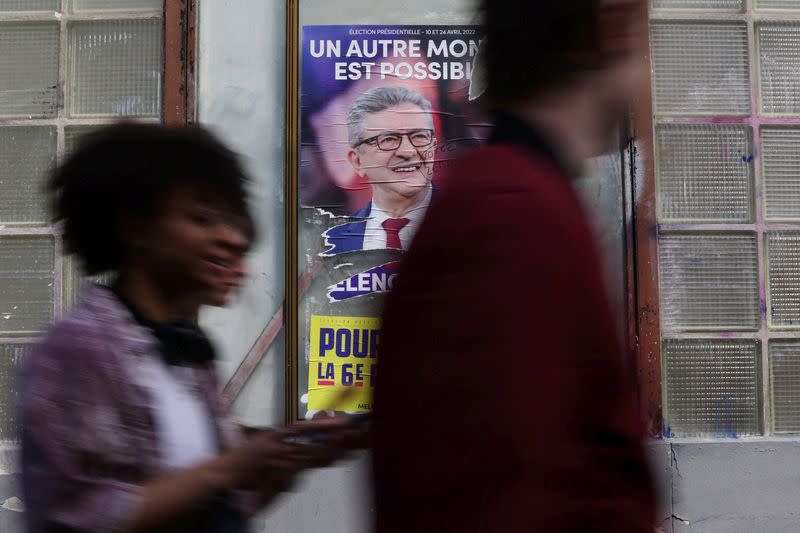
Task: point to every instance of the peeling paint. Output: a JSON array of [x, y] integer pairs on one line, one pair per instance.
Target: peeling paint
[[14, 504], [680, 519], [638, 171]]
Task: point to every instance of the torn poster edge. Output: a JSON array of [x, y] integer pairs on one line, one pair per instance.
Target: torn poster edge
[[390, 265]]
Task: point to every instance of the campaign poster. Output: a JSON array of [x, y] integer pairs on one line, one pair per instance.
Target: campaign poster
[[343, 362], [384, 111]]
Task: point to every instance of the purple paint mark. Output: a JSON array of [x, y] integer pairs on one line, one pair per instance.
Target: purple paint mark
[[738, 152]]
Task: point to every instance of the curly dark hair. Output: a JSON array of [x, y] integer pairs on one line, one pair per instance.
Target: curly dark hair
[[121, 171]]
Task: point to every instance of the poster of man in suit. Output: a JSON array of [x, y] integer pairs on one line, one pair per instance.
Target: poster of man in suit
[[383, 112], [392, 145]]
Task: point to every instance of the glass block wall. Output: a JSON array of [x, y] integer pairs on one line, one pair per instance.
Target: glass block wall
[[66, 67], [726, 104]]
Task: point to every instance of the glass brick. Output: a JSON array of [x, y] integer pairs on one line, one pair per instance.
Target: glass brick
[[22, 6], [27, 154], [784, 379], [11, 357], [75, 280], [783, 258], [780, 159], [115, 68], [705, 173], [72, 137], [700, 68], [709, 282], [778, 4], [705, 5], [104, 6], [71, 281], [26, 284], [713, 387], [29, 63], [779, 61]]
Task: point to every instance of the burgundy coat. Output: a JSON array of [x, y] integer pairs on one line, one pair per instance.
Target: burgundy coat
[[503, 400]]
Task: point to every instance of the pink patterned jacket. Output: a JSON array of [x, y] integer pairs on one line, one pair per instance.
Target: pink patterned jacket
[[88, 441]]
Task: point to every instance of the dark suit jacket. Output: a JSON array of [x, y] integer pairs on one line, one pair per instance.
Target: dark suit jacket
[[503, 402], [347, 237]]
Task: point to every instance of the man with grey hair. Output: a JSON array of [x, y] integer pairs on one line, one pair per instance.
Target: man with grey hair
[[392, 145]]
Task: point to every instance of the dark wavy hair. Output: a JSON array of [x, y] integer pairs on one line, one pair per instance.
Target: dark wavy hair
[[535, 46], [120, 172]]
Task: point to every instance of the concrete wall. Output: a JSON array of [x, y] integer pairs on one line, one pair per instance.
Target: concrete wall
[[11, 505], [241, 96], [731, 486]]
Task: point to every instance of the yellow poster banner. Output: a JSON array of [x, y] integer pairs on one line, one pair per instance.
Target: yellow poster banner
[[342, 361]]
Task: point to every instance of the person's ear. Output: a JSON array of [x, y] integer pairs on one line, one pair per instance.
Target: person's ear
[[354, 157]]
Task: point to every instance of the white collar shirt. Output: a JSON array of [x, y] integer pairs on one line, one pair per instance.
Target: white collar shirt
[[375, 234]]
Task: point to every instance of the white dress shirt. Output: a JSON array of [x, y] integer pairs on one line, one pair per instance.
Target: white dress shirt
[[375, 234]]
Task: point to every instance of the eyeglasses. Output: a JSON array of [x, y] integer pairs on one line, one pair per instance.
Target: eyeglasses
[[391, 140]]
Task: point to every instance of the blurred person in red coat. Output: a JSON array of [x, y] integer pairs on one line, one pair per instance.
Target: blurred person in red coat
[[504, 401]]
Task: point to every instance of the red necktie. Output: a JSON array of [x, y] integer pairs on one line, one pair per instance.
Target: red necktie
[[393, 227]]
